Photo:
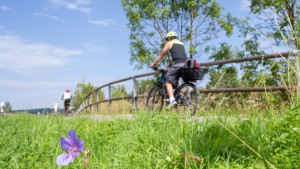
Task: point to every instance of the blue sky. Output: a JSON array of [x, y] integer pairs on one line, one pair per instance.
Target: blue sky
[[48, 46]]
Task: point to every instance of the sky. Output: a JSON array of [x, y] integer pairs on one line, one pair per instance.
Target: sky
[[48, 46]]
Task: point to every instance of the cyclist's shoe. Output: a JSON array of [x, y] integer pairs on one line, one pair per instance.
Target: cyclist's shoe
[[171, 105]]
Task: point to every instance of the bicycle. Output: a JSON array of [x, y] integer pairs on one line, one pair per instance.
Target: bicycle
[[67, 106], [186, 95]]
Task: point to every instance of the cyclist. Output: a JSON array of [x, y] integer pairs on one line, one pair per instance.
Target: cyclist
[[179, 56], [67, 100]]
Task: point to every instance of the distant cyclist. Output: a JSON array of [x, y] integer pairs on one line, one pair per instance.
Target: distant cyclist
[[179, 57], [67, 100]]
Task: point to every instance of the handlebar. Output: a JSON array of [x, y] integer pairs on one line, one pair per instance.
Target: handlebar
[[159, 70]]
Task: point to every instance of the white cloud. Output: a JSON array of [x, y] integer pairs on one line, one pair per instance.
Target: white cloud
[[245, 5], [95, 48], [36, 84], [105, 22], [47, 16], [4, 8], [76, 5], [20, 55]]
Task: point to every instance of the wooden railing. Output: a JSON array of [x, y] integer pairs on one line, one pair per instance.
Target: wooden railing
[[87, 103]]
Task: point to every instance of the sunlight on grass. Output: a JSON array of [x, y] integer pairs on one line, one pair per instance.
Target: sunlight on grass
[[151, 141]]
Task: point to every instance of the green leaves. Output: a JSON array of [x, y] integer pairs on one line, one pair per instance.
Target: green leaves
[[283, 22], [7, 108], [195, 21], [82, 90], [119, 91]]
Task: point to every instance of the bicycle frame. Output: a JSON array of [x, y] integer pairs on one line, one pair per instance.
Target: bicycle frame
[[186, 95], [162, 84]]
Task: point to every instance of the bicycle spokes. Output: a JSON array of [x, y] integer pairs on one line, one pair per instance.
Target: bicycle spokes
[[155, 99], [187, 99]]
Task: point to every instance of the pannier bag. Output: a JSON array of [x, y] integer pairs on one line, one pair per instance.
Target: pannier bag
[[191, 71]]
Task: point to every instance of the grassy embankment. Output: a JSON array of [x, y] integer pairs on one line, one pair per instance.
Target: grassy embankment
[[154, 141]]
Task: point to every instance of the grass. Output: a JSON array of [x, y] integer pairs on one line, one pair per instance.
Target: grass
[[154, 141]]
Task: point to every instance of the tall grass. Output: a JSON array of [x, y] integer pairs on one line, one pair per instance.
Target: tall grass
[[153, 141]]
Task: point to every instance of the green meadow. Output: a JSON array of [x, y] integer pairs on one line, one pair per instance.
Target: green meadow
[[155, 141]]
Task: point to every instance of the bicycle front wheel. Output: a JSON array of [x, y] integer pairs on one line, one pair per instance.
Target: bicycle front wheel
[[155, 99], [187, 97]]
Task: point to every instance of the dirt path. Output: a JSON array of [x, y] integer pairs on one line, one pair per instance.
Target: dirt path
[[109, 117], [99, 117]]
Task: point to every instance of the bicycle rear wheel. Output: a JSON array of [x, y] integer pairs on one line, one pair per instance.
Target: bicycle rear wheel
[[155, 99], [187, 97]]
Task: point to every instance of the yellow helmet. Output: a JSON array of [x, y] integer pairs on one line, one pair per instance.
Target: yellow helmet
[[171, 34]]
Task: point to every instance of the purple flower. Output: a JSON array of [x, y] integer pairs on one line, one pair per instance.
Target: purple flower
[[73, 145]]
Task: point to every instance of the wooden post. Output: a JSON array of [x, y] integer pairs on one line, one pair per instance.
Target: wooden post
[[191, 33], [2, 107], [298, 76], [83, 105], [109, 97], [90, 102], [87, 104], [97, 101], [135, 94]]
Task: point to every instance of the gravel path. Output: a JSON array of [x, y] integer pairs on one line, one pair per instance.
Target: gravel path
[[109, 117], [99, 117]]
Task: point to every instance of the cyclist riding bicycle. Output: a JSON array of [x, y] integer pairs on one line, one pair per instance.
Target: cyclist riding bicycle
[[179, 57], [67, 100]]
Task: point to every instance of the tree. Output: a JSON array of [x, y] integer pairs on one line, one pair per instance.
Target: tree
[[226, 77], [223, 76], [280, 23], [119, 91], [196, 22], [7, 108], [145, 85], [280, 20], [82, 91], [265, 72]]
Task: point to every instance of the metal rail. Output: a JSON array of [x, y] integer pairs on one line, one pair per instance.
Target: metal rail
[[253, 58], [245, 89], [86, 103]]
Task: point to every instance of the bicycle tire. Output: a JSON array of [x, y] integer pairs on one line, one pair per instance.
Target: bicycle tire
[[187, 97], [155, 99]]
